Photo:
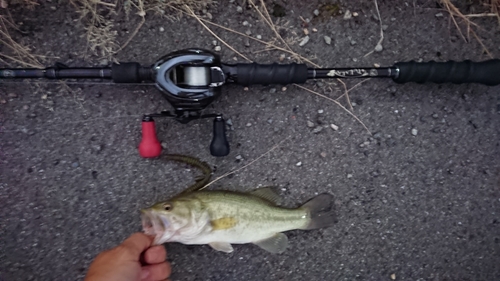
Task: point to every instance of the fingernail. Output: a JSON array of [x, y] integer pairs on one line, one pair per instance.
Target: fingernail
[[144, 274]]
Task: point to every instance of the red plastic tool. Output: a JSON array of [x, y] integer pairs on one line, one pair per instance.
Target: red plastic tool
[[149, 147]]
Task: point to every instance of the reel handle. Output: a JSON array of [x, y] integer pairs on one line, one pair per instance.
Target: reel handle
[[149, 147], [219, 146], [485, 72]]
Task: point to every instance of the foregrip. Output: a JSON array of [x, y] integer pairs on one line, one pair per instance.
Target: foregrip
[[267, 74], [486, 72]]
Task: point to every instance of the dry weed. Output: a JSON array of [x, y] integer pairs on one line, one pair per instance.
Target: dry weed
[[470, 26]]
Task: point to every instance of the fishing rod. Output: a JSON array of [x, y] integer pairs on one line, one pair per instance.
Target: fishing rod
[[191, 79]]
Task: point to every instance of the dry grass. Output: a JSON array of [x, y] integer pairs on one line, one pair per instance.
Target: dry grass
[[459, 18]]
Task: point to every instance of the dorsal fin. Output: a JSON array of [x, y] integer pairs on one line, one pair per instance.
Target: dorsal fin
[[268, 194]]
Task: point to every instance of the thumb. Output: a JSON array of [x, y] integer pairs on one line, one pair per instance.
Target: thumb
[[136, 244]]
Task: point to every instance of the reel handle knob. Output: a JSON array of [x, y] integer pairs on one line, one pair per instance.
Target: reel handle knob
[[219, 146], [149, 147]]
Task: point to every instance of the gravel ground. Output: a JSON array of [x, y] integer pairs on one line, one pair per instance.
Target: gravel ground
[[417, 192]]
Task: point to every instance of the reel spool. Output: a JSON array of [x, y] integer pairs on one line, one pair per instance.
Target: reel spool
[[189, 79]]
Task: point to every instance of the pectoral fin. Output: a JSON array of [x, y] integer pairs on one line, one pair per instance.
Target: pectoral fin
[[275, 244], [222, 246], [223, 223]]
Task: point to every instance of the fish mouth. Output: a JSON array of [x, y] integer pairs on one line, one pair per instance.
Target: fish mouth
[[154, 225]]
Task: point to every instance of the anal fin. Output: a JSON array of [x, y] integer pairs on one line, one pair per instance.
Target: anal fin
[[275, 244]]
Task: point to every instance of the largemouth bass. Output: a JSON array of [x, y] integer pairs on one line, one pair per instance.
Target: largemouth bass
[[222, 218]]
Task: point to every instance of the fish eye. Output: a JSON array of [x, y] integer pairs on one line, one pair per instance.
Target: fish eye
[[167, 207]]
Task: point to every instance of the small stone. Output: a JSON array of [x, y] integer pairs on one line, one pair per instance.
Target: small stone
[[26, 107], [239, 9], [270, 121], [258, 37], [355, 14], [298, 164], [239, 157], [334, 127], [162, 29], [385, 27], [306, 32], [320, 111], [328, 40], [214, 42], [249, 124], [12, 95], [304, 41], [349, 176], [378, 48], [353, 43], [376, 65], [164, 145], [217, 48], [435, 116], [414, 131], [53, 8], [245, 23], [316, 12], [209, 16], [439, 15], [282, 57], [229, 122], [317, 130], [32, 115], [248, 32], [347, 15], [310, 124], [44, 96], [314, 30], [323, 154], [75, 164], [283, 89], [3, 101], [103, 62], [272, 90], [245, 89], [393, 276]]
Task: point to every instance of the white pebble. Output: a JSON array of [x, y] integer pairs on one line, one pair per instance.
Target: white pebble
[[214, 42], [259, 37], [314, 30], [355, 14], [217, 48], [249, 124], [162, 29], [320, 111], [304, 41], [245, 23], [347, 15], [414, 131], [328, 40], [378, 48], [298, 164], [334, 127], [349, 176], [316, 12], [239, 9]]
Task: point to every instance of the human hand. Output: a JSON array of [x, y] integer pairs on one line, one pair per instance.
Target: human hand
[[132, 260]]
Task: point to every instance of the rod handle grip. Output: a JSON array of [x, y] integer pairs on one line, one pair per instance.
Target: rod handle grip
[[485, 72], [268, 74]]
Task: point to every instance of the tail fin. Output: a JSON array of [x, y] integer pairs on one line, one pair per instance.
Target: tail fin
[[321, 211]]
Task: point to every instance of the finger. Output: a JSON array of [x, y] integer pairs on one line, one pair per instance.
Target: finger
[[156, 272], [155, 254], [136, 244]]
